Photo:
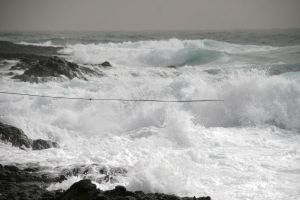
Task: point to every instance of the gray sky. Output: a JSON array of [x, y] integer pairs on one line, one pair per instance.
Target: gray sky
[[134, 15]]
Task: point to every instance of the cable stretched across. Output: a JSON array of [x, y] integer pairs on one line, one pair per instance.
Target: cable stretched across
[[111, 99]]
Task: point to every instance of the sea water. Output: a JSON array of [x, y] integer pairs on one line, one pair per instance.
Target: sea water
[[246, 147]]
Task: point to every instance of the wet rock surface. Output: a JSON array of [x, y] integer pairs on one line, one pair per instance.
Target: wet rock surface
[[43, 67], [106, 64], [40, 64], [15, 136], [43, 144], [28, 184], [25, 184]]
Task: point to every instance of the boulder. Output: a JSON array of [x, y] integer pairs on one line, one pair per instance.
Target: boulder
[[17, 138], [106, 64], [16, 183], [83, 189], [43, 144], [14, 135], [48, 67]]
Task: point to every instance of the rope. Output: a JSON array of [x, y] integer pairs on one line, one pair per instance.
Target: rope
[[111, 99]]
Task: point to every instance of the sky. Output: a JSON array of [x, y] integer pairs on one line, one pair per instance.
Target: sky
[[140, 15]]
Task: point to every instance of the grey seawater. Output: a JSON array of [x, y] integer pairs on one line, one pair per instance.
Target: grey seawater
[[288, 37], [246, 147]]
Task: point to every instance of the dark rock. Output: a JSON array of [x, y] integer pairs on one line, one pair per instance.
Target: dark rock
[[42, 63], [14, 135], [10, 74], [31, 169], [17, 138], [172, 66], [106, 64], [120, 190], [83, 189], [11, 168], [48, 67], [20, 184], [43, 144], [16, 183]]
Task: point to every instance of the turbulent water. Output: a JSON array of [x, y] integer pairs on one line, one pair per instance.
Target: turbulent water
[[246, 147]]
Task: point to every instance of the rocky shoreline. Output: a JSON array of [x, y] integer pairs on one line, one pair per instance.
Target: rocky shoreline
[[40, 64], [26, 184], [30, 184]]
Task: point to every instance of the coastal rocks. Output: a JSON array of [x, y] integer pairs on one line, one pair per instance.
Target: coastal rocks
[[48, 67], [24, 184], [83, 189], [43, 144], [27, 184], [106, 64], [40, 64], [17, 138], [14, 136], [41, 68], [98, 173]]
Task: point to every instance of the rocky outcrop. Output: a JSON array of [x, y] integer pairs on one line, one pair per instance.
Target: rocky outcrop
[[48, 67], [15, 136], [43, 144], [41, 64], [106, 64], [85, 189], [27, 184]]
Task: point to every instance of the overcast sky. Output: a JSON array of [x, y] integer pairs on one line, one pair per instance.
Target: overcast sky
[[134, 15]]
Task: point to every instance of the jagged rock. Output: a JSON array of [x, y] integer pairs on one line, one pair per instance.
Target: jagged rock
[[106, 64], [48, 67], [16, 183], [17, 138], [43, 144], [14, 135], [83, 189], [27, 184], [105, 174]]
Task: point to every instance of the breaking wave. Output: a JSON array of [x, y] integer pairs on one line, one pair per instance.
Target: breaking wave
[[158, 53], [228, 150]]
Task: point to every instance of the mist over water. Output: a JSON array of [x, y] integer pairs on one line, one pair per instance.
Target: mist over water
[[246, 147]]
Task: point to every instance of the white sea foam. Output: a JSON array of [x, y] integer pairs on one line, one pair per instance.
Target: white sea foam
[[243, 148], [158, 53], [41, 44]]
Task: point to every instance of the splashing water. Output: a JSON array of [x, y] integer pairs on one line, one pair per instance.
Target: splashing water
[[246, 147]]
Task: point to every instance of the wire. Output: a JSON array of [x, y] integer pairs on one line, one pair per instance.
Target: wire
[[112, 99]]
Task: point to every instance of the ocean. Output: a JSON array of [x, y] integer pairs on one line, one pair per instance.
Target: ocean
[[245, 147]]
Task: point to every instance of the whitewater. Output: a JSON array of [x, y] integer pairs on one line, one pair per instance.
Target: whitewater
[[245, 147]]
